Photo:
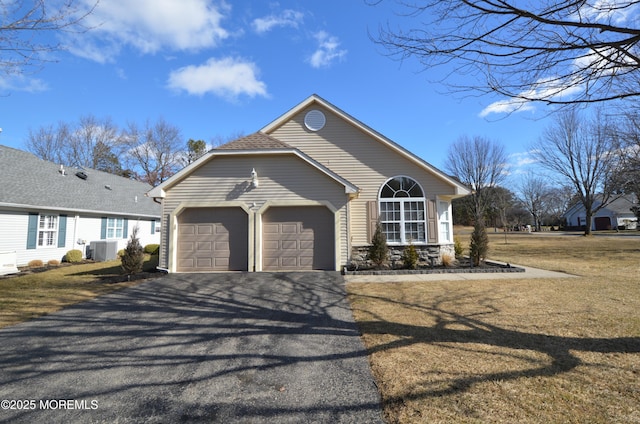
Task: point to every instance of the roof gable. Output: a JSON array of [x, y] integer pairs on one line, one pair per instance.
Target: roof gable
[[30, 182], [257, 143], [314, 99]]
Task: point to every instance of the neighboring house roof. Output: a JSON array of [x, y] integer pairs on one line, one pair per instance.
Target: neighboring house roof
[[461, 189], [621, 205], [28, 182]]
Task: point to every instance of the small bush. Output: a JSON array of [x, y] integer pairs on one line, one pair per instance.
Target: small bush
[[410, 257], [120, 253], [35, 263], [152, 249], [479, 246], [448, 260], [133, 257], [378, 250], [53, 262], [73, 256], [457, 247]]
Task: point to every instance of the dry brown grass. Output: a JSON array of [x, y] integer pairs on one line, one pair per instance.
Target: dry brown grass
[[28, 296], [526, 351]]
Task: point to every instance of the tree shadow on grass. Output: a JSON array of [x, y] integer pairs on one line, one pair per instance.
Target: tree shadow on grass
[[470, 329]]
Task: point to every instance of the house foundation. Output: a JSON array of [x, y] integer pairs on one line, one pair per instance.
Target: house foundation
[[428, 256]]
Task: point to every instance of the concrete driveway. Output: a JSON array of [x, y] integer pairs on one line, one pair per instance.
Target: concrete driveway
[[194, 348]]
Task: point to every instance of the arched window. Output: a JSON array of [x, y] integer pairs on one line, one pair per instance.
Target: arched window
[[402, 211]]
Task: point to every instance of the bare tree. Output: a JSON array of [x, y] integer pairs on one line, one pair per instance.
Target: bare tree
[[154, 151], [478, 163], [26, 28], [627, 129], [554, 51], [584, 154], [557, 201], [49, 142], [534, 192], [89, 143], [93, 143]]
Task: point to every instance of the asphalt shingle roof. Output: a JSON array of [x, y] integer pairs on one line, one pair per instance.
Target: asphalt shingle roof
[[255, 141], [30, 182]]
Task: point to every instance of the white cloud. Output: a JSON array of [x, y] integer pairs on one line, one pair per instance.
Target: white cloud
[[227, 77], [328, 50], [543, 89], [506, 106], [150, 26], [615, 11], [22, 83], [290, 18]]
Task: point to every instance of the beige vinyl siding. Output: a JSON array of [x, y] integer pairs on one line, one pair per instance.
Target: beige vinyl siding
[[282, 178], [361, 159]]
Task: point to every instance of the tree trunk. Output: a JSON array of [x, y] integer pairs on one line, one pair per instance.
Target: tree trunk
[[589, 222]]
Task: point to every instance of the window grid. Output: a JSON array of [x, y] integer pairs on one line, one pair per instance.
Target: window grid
[[47, 230], [403, 214], [445, 222], [115, 228]]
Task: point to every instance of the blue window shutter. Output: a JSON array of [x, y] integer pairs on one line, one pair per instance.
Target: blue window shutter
[[32, 231], [153, 226], [125, 228], [103, 229], [62, 230]]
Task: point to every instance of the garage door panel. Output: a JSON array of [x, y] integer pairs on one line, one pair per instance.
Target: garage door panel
[[271, 228], [298, 238], [306, 245], [289, 228], [212, 239], [289, 244], [187, 229], [186, 263], [205, 229], [204, 246], [271, 244], [306, 262], [221, 262], [204, 262]]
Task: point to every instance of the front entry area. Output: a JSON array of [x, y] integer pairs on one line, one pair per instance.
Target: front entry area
[[212, 239], [298, 238]]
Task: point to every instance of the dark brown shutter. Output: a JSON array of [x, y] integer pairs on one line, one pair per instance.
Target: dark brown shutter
[[432, 222], [372, 218]]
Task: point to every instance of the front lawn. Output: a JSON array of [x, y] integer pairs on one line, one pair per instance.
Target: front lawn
[[27, 296], [526, 351]]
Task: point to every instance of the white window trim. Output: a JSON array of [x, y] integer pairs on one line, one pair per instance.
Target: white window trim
[[402, 200], [440, 210], [40, 236], [114, 228]]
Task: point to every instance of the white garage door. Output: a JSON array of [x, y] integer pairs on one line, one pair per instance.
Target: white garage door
[[298, 238], [212, 239]]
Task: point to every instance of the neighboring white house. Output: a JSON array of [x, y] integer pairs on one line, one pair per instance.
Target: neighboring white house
[[47, 210], [617, 214]]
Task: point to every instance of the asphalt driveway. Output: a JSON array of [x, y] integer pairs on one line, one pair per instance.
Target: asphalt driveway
[[194, 348]]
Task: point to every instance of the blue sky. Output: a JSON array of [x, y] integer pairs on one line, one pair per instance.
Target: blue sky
[[216, 69]]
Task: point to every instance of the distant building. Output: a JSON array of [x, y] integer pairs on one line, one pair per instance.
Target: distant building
[[617, 214]]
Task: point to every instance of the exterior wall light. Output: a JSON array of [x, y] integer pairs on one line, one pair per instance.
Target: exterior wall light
[[254, 178]]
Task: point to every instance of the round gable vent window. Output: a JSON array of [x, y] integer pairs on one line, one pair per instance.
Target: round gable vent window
[[314, 120]]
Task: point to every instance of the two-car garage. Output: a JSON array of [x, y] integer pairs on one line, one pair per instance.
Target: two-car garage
[[291, 238]]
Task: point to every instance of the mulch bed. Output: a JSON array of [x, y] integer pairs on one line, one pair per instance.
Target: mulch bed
[[463, 265]]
